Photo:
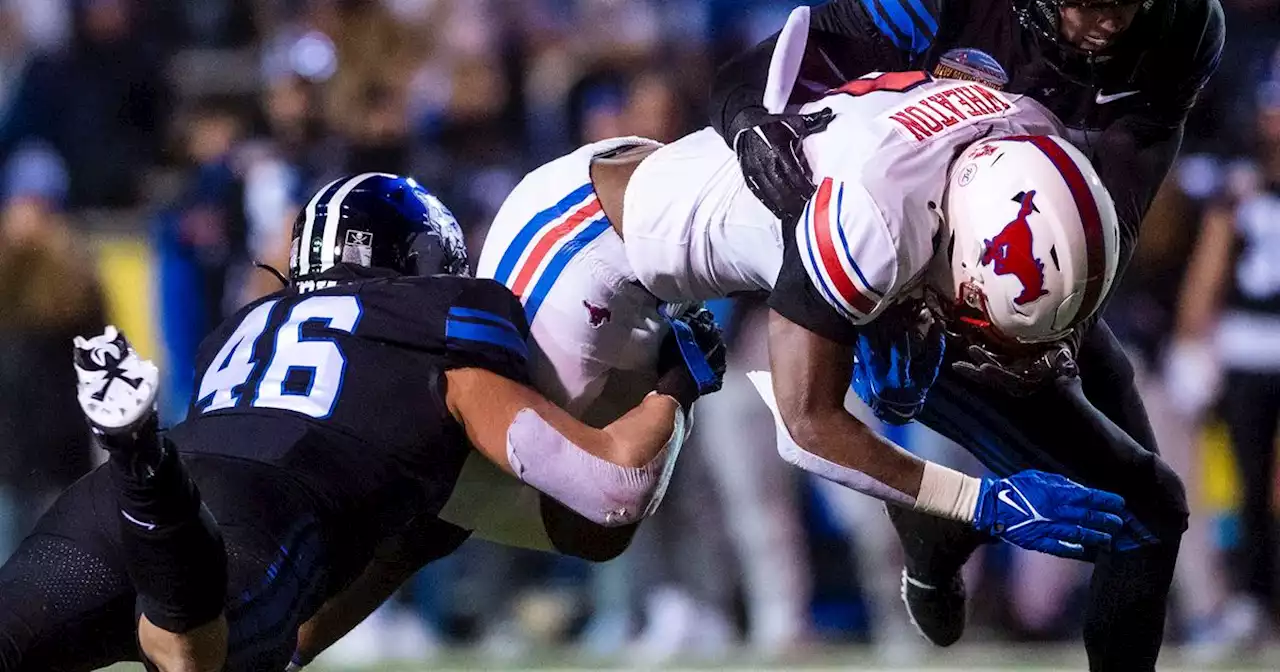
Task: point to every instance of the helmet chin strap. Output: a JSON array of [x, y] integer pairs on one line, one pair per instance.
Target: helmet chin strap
[[943, 309], [272, 270], [965, 317]]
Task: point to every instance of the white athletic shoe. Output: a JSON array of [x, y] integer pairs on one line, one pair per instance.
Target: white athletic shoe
[[681, 628], [116, 388], [1238, 632], [391, 634]]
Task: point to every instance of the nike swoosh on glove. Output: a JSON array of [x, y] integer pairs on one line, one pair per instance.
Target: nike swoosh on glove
[[772, 159], [1049, 513], [897, 360]]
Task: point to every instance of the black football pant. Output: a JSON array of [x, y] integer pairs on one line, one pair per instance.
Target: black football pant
[[1095, 431], [67, 603], [1251, 409]]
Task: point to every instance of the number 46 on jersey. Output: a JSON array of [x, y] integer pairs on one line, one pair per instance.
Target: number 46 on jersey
[[282, 368]]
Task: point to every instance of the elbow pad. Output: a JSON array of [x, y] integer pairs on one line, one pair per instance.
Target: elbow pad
[[600, 491]]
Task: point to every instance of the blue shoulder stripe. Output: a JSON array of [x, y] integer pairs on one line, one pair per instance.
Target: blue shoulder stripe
[[556, 266], [924, 19], [487, 334], [886, 28], [844, 243], [907, 24], [484, 316]]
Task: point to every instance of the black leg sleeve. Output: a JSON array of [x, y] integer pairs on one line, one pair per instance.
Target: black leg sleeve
[[571, 534], [173, 550], [1107, 377], [1058, 430]]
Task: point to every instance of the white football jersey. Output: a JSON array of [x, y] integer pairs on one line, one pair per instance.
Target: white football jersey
[[693, 230], [881, 168]]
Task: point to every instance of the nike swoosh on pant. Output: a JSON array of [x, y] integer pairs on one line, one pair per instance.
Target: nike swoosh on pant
[[1103, 99], [135, 521]]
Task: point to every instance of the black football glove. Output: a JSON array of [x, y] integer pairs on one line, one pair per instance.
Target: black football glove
[[1021, 376], [772, 159], [691, 362]]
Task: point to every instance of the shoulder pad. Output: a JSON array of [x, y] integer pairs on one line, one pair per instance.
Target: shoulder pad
[[847, 252], [468, 322], [910, 25], [485, 320]]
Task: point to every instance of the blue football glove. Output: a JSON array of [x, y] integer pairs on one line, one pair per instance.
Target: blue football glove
[[897, 359], [1049, 513], [691, 361]]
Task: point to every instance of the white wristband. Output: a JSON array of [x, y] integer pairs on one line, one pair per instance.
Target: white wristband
[[948, 493]]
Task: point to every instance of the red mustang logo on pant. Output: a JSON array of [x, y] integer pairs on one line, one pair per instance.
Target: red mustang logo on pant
[[597, 315], [1013, 255]]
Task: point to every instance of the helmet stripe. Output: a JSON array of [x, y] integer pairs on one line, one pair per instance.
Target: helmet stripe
[[1090, 218], [308, 227], [333, 216]]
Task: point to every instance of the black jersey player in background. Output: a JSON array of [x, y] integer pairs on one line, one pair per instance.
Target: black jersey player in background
[[1122, 76], [1230, 297], [331, 422]]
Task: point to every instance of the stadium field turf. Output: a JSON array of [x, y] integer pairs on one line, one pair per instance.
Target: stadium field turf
[[987, 658]]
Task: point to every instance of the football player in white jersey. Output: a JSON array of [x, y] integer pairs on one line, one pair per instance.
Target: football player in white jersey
[[943, 188]]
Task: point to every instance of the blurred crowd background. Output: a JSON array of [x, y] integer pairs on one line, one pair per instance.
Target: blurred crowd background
[[151, 150]]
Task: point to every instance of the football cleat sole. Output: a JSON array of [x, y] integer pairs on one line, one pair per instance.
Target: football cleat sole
[[115, 387]]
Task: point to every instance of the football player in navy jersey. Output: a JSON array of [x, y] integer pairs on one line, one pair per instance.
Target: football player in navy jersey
[[1122, 76], [331, 422]]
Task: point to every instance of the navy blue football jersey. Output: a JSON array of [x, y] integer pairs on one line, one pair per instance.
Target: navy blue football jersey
[[344, 386]]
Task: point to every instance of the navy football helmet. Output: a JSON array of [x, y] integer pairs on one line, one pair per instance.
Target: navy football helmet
[[376, 220]]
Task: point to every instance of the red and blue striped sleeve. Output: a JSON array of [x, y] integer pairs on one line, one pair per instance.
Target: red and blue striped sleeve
[[840, 269]]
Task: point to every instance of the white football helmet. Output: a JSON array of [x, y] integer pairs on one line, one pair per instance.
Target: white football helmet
[[1030, 241]]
